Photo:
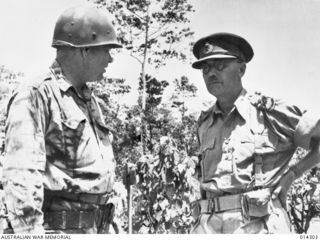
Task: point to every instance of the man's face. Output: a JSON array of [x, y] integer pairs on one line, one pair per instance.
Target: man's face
[[97, 59], [223, 76]]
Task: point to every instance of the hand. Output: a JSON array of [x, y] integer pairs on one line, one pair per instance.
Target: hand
[[282, 188]]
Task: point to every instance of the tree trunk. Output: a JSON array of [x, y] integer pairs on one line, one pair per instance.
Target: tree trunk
[[143, 76]]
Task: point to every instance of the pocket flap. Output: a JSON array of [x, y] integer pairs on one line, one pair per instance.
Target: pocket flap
[[105, 133], [73, 123], [209, 144], [266, 142], [105, 128]]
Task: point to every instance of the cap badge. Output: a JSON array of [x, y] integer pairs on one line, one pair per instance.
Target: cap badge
[[208, 48]]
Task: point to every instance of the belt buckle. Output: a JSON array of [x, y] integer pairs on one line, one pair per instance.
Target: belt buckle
[[105, 199], [80, 219], [211, 206], [63, 219], [102, 200]]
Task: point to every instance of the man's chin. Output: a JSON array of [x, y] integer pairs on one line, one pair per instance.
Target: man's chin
[[213, 92], [98, 79]]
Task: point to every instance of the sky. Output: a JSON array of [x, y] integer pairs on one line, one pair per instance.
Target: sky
[[284, 34]]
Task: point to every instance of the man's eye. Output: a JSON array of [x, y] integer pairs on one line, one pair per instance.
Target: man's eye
[[220, 66]]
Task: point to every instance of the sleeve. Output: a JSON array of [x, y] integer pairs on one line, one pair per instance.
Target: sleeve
[[24, 161], [293, 124], [308, 130]]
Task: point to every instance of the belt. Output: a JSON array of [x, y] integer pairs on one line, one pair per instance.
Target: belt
[[99, 199], [222, 203], [99, 218], [70, 219], [218, 204]]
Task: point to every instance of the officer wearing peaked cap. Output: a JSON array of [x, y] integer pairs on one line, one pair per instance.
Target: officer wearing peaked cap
[[59, 165], [246, 142], [221, 46]]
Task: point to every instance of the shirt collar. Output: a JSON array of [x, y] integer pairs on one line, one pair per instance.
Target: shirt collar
[[56, 70], [242, 105], [216, 110], [64, 85]]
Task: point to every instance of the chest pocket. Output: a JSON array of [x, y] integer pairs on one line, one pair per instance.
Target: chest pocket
[[104, 134], [72, 133], [265, 142], [207, 145]]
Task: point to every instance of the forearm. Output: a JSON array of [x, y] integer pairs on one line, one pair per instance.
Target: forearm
[[24, 197], [23, 169], [309, 161]]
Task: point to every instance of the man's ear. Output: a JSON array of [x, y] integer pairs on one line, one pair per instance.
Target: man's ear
[[242, 69]]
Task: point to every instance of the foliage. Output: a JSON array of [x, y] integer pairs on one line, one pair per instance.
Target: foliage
[[166, 185], [8, 82], [170, 118], [184, 131], [153, 26], [304, 198], [121, 120], [154, 91], [151, 31], [166, 174], [165, 190]]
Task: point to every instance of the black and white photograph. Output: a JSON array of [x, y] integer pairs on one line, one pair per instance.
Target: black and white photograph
[[159, 117]]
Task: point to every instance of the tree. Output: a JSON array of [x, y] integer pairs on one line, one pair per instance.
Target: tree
[[167, 183], [304, 197], [152, 31], [154, 91], [8, 82], [185, 129], [123, 122], [121, 119], [165, 190]]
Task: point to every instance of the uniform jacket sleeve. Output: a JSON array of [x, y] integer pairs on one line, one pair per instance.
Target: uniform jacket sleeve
[[290, 122], [25, 160]]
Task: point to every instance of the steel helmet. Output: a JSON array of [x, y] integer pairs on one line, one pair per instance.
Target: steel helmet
[[84, 27]]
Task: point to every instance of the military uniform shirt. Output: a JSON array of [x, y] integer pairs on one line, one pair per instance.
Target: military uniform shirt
[[257, 125], [55, 139]]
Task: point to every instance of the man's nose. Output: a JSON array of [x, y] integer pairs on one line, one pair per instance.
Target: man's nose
[[212, 72], [109, 57]]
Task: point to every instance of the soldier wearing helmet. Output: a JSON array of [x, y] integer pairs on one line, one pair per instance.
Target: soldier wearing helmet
[[59, 165], [246, 143]]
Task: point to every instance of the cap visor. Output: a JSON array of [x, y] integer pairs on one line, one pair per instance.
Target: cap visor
[[198, 64], [115, 45]]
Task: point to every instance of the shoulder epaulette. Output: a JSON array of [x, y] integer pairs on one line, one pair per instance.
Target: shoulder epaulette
[[262, 102]]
